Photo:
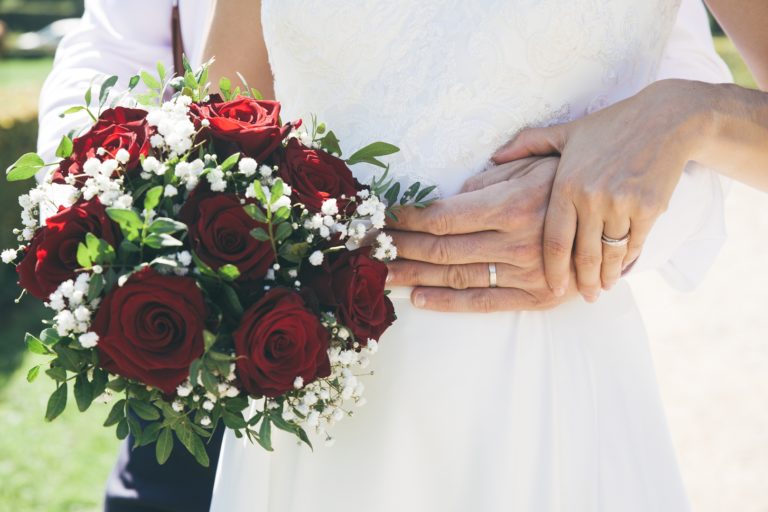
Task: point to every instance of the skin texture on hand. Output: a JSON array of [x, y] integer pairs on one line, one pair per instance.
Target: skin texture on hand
[[618, 168], [444, 249]]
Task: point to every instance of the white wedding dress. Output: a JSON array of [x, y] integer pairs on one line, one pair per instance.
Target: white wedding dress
[[527, 412], [530, 412]]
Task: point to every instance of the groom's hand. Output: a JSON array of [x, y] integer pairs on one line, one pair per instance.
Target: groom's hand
[[444, 250]]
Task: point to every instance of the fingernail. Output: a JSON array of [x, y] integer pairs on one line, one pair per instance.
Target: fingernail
[[592, 298], [419, 300], [389, 276], [558, 291]]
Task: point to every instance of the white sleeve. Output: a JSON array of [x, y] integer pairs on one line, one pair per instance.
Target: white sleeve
[[688, 236], [114, 37]]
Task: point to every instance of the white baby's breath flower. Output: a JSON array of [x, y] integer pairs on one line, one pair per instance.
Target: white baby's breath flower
[[177, 406], [329, 207], [157, 140], [122, 156], [184, 389], [316, 258], [208, 405], [298, 383], [170, 191], [92, 166], [205, 421], [88, 340], [184, 257], [8, 255], [205, 122], [247, 166]]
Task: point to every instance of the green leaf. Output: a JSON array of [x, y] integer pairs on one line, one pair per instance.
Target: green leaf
[[203, 267], [35, 345], [144, 410], [277, 191], [56, 403], [152, 199], [99, 382], [256, 94], [57, 373], [25, 167], [209, 339], [330, 143], [68, 358], [294, 252], [33, 373], [424, 193], [106, 86], [88, 93], [151, 433], [65, 147], [161, 241], [83, 255], [133, 82], [49, 336], [230, 162], [265, 434], [392, 194], [73, 110], [229, 272], [233, 300], [95, 287], [260, 234], [371, 151], [122, 430], [283, 231], [197, 448], [116, 414], [282, 213], [164, 446], [256, 213], [232, 420], [161, 71], [129, 221], [258, 192], [210, 382], [166, 225], [150, 81], [83, 392]]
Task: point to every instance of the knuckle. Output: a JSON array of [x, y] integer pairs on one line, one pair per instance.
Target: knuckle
[[481, 302], [439, 223], [456, 277], [440, 253], [556, 247], [587, 258], [473, 183]]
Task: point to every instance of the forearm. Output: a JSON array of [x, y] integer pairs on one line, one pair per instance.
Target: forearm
[[236, 41], [735, 123]]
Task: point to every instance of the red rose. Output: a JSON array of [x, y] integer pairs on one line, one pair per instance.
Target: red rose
[[280, 339], [243, 124], [51, 257], [220, 234], [352, 283], [117, 128], [151, 329], [315, 176]]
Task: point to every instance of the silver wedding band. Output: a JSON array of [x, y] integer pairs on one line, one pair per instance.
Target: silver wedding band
[[615, 242], [492, 275]]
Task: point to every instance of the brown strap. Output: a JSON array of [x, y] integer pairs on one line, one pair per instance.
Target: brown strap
[[176, 40]]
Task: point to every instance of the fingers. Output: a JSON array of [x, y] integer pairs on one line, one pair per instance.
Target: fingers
[[530, 142], [458, 277], [639, 233], [613, 256], [588, 256], [559, 234], [462, 213], [476, 300], [498, 174], [453, 249]]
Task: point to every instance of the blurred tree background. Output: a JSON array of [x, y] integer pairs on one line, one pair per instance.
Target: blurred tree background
[[59, 467]]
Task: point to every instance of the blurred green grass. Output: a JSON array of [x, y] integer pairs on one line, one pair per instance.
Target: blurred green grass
[[62, 466]]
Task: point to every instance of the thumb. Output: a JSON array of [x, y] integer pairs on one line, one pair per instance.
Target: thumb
[[532, 142]]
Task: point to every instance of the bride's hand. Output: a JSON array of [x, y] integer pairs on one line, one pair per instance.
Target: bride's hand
[[444, 250], [618, 169]]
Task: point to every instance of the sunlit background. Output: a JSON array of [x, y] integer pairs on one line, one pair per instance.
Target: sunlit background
[[711, 347]]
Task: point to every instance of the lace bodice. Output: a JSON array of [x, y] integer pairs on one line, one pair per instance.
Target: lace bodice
[[448, 81]]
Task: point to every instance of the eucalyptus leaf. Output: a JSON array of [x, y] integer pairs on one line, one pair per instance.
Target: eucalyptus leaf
[[133, 82], [106, 86], [371, 151], [150, 81]]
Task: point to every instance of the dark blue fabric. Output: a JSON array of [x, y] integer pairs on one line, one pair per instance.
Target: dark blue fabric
[[139, 484]]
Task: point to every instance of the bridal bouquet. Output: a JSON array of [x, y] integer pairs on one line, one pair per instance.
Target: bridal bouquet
[[198, 253]]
